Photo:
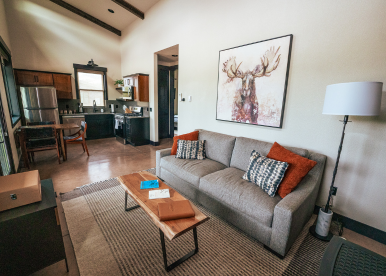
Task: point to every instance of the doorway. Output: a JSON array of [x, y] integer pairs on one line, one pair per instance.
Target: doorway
[[167, 92]]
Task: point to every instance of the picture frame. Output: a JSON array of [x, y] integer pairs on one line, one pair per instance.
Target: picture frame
[[252, 82]]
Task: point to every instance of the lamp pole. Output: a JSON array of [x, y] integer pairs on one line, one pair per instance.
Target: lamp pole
[[345, 121]]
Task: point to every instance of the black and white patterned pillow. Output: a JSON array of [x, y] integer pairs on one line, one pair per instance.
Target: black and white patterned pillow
[[191, 149], [265, 172]]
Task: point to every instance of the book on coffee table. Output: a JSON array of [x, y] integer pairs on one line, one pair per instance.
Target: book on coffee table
[[149, 184], [175, 210], [164, 193]]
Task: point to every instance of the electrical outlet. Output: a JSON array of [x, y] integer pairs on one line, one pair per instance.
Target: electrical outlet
[[334, 190]]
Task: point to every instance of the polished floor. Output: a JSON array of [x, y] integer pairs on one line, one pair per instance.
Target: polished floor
[[108, 158]]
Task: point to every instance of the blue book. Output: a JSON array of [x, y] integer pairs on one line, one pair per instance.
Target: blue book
[[149, 184]]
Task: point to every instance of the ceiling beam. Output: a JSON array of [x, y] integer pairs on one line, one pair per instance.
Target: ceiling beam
[[87, 16], [130, 8]]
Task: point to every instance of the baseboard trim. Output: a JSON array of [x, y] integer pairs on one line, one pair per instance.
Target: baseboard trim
[[358, 227], [154, 143]]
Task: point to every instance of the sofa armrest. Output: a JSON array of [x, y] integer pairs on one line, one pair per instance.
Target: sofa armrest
[[293, 211], [159, 155]]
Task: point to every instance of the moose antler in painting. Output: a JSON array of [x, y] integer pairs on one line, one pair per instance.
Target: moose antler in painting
[[230, 68], [268, 63]]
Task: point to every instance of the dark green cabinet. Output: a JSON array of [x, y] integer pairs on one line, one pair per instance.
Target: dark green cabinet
[[30, 235], [99, 126]]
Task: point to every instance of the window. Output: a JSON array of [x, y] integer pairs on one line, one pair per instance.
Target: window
[[9, 83], [91, 84], [91, 88]]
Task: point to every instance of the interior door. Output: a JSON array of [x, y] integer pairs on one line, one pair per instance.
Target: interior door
[[163, 102]]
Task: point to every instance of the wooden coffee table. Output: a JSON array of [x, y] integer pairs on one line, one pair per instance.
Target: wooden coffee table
[[172, 228]]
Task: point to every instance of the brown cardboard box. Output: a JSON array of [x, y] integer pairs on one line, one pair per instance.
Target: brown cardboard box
[[19, 189]]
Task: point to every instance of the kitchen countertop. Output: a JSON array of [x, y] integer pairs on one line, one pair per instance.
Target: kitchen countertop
[[82, 114]]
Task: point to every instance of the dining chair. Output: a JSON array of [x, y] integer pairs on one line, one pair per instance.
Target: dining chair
[[77, 138], [39, 139], [40, 123], [31, 154]]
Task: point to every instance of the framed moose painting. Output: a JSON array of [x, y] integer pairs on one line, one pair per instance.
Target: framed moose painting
[[252, 82]]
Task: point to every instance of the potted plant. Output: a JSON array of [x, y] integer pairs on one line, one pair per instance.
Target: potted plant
[[119, 83]]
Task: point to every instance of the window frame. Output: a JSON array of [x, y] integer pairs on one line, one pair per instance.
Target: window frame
[[90, 68], [15, 115]]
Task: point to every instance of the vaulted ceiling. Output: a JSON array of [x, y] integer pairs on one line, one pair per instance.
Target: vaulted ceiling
[[99, 9]]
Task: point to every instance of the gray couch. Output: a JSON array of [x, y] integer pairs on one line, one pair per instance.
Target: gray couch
[[216, 183]]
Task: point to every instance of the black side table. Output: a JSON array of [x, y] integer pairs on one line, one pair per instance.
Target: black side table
[[30, 235]]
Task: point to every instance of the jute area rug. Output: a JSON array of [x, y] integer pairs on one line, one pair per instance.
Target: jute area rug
[[109, 241]]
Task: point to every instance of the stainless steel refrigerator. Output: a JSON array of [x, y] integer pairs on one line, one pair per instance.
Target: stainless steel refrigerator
[[40, 104]]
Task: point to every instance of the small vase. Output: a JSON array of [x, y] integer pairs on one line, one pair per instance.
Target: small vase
[[120, 85], [323, 223]]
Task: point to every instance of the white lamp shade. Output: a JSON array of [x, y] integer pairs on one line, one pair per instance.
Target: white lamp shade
[[353, 98]]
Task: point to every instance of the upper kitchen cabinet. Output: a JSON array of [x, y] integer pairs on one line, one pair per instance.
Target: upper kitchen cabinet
[[61, 81], [31, 78], [141, 86]]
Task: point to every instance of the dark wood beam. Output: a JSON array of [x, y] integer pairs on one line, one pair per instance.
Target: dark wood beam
[[130, 8], [87, 16]]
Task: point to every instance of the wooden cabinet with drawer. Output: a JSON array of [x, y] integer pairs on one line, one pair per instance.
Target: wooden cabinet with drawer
[[61, 81], [141, 86]]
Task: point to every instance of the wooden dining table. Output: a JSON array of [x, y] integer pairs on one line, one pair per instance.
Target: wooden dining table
[[60, 129]]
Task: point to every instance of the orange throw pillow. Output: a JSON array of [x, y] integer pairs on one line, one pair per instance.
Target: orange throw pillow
[[192, 136], [298, 168]]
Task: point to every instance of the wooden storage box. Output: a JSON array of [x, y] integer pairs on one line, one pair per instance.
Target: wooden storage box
[[19, 189]]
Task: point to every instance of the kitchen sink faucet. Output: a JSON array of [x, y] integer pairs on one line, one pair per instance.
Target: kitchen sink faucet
[[94, 105]]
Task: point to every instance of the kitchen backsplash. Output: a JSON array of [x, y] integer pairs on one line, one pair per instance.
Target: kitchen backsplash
[[73, 105]]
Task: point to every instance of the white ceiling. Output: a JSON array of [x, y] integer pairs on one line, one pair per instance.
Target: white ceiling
[[120, 19]]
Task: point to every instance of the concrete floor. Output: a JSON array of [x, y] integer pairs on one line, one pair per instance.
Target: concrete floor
[[108, 158]]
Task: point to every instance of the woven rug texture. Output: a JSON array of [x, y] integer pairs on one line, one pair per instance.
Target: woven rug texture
[[108, 240]]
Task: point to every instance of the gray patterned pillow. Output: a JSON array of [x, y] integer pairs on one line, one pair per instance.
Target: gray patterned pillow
[[191, 149], [265, 172]]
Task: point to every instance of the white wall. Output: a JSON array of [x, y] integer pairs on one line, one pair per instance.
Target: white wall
[[48, 37], [334, 41], [3, 95]]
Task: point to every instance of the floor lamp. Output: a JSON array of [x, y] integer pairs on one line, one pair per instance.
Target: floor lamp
[[347, 99]]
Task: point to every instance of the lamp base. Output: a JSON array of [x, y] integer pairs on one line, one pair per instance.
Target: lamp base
[[316, 235]]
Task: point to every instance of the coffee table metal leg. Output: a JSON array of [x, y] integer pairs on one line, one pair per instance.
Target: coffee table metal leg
[[131, 208], [184, 258]]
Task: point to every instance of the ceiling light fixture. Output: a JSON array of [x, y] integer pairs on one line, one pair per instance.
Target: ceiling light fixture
[[110, 10]]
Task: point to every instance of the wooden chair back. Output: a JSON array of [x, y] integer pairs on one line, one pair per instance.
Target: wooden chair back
[[40, 123]]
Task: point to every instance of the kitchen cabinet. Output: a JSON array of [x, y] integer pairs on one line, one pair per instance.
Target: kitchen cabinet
[[141, 86], [61, 81], [30, 78], [99, 126], [31, 236], [138, 131]]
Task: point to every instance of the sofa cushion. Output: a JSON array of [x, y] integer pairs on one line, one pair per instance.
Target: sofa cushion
[[191, 149], [244, 146], [218, 147], [190, 170], [229, 187], [265, 172], [192, 136]]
